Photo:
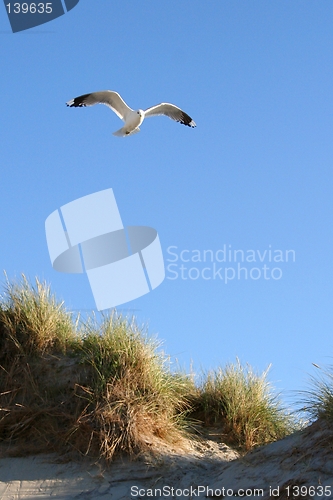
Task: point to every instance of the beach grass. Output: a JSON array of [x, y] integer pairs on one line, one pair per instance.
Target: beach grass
[[105, 387], [317, 402], [244, 403], [33, 319]]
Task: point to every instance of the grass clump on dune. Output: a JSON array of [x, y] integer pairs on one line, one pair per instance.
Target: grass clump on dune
[[140, 402], [34, 321], [318, 403], [242, 402]]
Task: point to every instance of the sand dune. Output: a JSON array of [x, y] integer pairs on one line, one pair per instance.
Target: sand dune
[[284, 469]]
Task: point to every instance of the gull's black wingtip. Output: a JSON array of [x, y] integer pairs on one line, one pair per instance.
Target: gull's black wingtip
[[78, 102], [187, 120]]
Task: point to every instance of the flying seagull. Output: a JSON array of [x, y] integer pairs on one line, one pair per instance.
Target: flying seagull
[[132, 118]]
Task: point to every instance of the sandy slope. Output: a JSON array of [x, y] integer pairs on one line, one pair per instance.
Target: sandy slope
[[283, 469]]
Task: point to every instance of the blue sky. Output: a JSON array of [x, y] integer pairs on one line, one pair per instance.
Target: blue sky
[[256, 173]]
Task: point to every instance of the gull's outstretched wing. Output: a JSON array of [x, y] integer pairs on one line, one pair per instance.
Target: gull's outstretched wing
[[172, 112], [107, 97]]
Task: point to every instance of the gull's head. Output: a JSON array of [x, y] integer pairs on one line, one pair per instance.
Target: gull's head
[[141, 113]]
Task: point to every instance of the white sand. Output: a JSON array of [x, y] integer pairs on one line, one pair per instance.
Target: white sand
[[302, 460]]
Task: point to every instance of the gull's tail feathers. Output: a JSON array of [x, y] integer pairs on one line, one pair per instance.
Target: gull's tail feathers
[[122, 132]]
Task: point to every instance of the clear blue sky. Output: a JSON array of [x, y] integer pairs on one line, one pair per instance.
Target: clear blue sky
[[255, 174]]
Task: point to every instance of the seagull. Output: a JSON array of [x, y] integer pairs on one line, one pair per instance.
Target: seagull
[[132, 118]]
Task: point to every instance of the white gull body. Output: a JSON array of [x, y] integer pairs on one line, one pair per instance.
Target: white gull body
[[132, 118]]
